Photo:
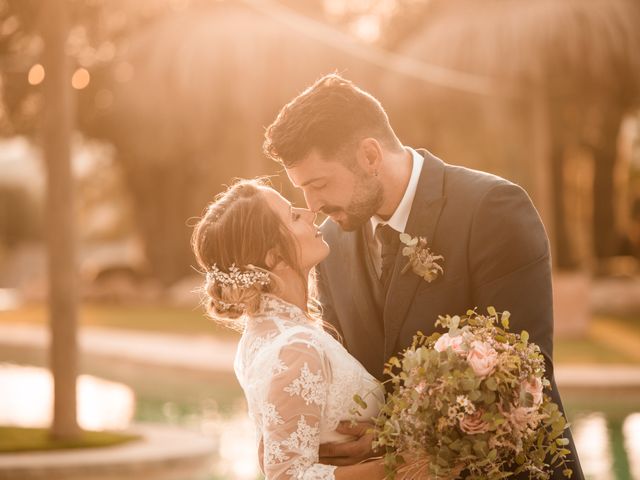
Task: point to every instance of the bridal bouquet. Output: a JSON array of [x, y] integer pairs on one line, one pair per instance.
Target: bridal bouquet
[[471, 400]]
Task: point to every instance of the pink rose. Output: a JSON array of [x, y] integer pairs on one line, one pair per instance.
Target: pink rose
[[534, 387], [522, 417], [473, 424], [482, 358], [454, 343]]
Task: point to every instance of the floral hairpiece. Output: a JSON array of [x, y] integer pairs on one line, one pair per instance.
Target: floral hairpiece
[[237, 279]]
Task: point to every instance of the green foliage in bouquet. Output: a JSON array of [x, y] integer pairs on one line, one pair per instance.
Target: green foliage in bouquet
[[470, 400]]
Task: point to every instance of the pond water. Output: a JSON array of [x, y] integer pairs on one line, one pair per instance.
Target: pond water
[[605, 424]]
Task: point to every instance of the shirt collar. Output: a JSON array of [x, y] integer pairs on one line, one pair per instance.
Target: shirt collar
[[400, 217]]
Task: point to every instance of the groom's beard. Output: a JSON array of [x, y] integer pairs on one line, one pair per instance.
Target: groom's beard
[[366, 200]]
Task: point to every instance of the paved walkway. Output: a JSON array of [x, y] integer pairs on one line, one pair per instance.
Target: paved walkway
[[196, 352], [204, 353]]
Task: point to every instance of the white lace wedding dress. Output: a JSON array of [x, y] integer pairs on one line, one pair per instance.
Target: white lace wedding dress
[[299, 383]]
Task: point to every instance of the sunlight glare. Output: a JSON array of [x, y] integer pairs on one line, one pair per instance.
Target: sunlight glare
[[592, 443], [367, 28], [631, 430], [235, 437], [27, 399]]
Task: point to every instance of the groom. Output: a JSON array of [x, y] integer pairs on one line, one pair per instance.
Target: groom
[[338, 147]]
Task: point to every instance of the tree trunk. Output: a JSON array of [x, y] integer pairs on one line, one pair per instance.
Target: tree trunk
[[541, 181], [61, 231], [565, 258], [605, 235]]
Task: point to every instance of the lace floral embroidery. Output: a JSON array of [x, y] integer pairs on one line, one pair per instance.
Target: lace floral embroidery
[[304, 439], [309, 386], [260, 342], [270, 415], [273, 453], [279, 367], [299, 382], [273, 306], [320, 472]]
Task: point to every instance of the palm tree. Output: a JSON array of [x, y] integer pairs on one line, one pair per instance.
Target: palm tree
[[56, 133], [566, 72]]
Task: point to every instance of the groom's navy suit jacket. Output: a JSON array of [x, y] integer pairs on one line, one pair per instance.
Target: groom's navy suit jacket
[[496, 253]]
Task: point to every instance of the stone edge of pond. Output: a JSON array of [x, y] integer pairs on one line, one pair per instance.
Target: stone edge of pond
[[163, 453]]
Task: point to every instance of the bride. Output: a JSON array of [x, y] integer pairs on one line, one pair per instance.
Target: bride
[[258, 254]]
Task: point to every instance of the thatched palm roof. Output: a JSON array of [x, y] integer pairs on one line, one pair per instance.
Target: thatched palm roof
[[566, 71], [595, 43]]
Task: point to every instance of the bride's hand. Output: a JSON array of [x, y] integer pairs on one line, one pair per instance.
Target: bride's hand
[[351, 452]]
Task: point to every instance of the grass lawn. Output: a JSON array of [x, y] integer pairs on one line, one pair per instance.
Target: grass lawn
[[16, 439], [156, 318], [610, 339]]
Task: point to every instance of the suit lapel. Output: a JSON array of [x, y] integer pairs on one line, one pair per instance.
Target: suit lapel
[[423, 219]]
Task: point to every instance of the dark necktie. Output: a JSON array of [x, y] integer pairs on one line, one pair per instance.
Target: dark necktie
[[390, 240]]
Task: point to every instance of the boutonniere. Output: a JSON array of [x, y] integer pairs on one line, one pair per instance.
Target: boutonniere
[[422, 260]]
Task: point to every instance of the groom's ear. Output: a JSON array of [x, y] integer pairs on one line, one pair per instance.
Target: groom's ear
[[369, 155]]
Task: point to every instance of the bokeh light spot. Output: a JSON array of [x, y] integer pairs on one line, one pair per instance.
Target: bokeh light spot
[[36, 74], [80, 79]]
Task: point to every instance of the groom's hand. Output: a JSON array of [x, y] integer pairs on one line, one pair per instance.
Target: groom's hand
[[351, 452]]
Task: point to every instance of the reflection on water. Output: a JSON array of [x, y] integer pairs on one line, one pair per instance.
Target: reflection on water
[[237, 451], [607, 433], [631, 430], [592, 442], [602, 446], [27, 399]]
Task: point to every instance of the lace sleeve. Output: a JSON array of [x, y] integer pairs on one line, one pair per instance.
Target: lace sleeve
[[295, 401]]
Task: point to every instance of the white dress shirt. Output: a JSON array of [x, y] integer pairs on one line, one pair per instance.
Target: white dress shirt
[[397, 221]]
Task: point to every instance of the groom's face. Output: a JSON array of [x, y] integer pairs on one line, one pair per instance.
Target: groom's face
[[343, 191]]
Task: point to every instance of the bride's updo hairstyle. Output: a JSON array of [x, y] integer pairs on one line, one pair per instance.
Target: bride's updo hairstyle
[[231, 242]]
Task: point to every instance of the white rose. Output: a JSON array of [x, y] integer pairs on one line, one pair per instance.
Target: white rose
[[454, 343]]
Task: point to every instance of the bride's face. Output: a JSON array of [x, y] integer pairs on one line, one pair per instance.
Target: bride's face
[[312, 249]]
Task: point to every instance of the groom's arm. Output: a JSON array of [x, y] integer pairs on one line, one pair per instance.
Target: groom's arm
[[510, 264]]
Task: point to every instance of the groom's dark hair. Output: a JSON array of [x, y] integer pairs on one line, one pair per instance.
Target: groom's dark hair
[[331, 116]]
